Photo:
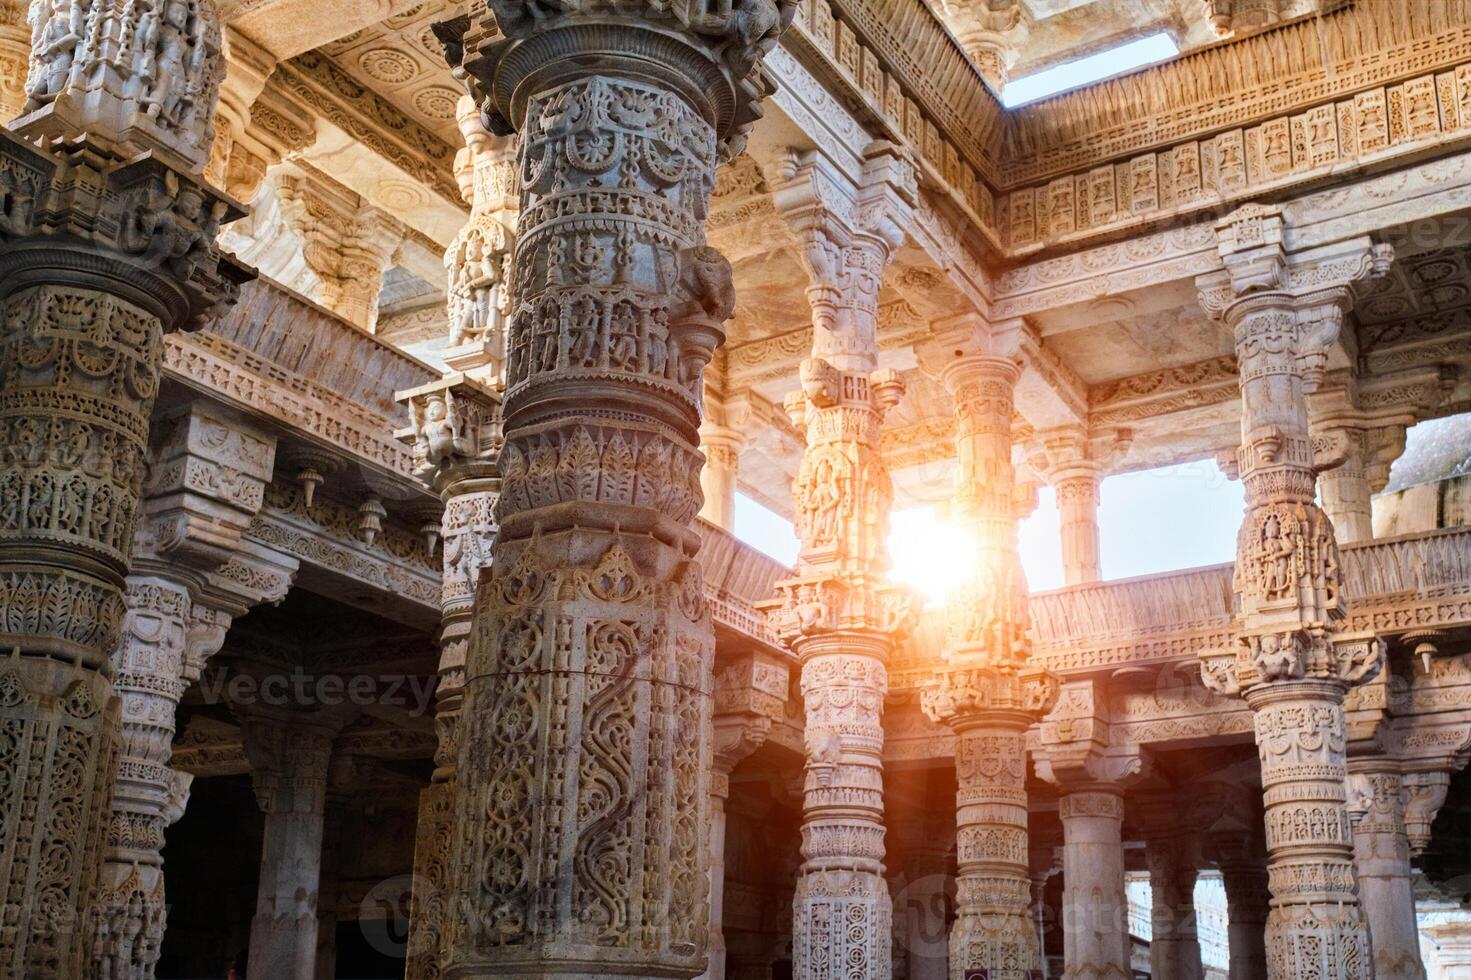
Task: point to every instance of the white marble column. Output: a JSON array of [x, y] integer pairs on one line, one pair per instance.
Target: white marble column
[[1376, 805], [838, 615], [1291, 662], [106, 244], [290, 756], [1095, 908], [581, 835], [1174, 948], [455, 437], [722, 449], [1073, 460]]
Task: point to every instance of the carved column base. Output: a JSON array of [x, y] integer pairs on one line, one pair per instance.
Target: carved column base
[[1007, 941], [842, 925]]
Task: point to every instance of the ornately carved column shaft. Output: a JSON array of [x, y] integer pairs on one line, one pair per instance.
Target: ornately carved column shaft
[[839, 617], [582, 830], [456, 436], [1382, 861], [207, 475], [1291, 665], [103, 247], [989, 695]]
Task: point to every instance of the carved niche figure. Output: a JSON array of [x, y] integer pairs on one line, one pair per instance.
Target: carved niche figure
[[1277, 570]]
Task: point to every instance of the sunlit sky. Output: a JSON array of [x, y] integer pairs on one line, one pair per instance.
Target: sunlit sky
[[1075, 74], [1152, 521]]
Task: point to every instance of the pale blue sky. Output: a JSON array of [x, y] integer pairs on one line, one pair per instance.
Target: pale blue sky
[[1085, 71], [1152, 521]]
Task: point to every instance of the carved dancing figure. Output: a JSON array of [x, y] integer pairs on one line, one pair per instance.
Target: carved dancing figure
[[1277, 564]]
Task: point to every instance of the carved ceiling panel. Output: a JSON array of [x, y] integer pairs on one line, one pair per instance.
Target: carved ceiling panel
[[401, 60]]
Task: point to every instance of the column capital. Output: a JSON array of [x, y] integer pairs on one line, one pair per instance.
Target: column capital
[[1075, 452], [715, 59], [965, 697], [1074, 749], [79, 213], [992, 32]]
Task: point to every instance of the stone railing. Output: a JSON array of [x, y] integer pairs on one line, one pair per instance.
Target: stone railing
[[736, 577], [1417, 582], [319, 347], [276, 356]]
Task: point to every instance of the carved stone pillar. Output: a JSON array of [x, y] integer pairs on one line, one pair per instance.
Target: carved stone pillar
[[478, 261], [1247, 906], [1242, 859], [1072, 461], [1376, 802], [456, 440], [1291, 664], [1095, 908], [839, 616], [1174, 949], [722, 449], [289, 756], [15, 56], [750, 693], [1075, 754], [582, 809], [106, 242], [206, 480], [989, 695]]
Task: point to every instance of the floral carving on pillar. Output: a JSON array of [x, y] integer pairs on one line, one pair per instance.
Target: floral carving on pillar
[[582, 803], [838, 614], [103, 248], [989, 693], [456, 439], [1292, 663]]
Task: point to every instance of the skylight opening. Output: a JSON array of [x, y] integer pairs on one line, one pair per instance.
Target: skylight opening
[[1085, 71]]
